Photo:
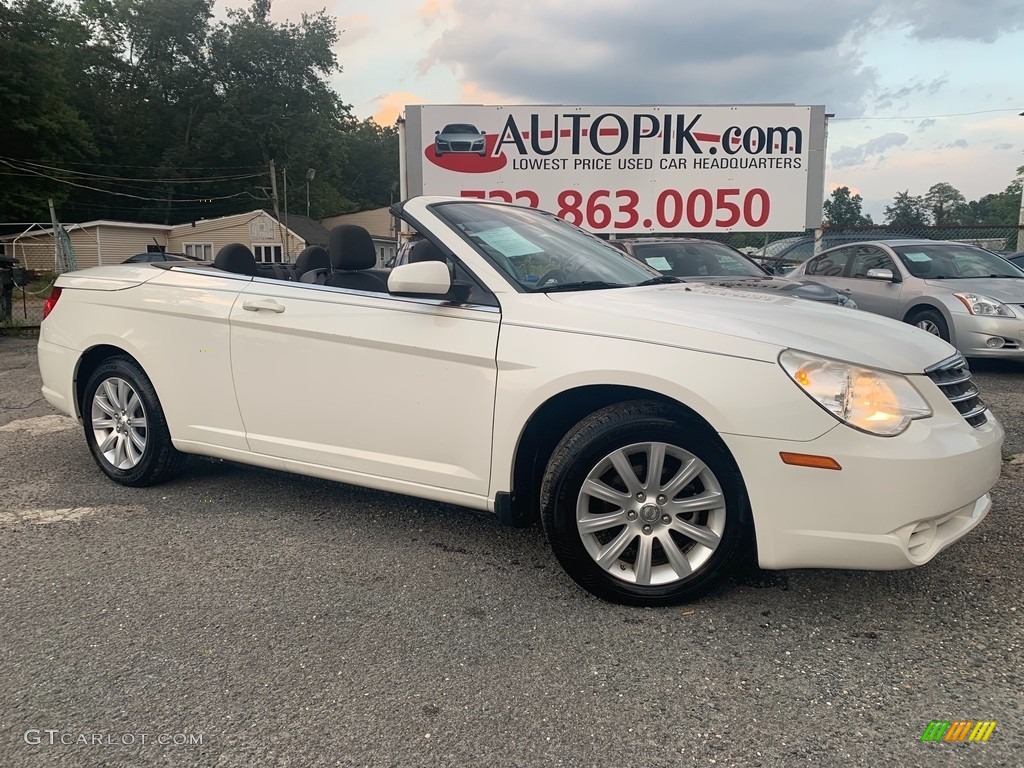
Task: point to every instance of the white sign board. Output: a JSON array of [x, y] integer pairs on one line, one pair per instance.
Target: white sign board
[[628, 169]]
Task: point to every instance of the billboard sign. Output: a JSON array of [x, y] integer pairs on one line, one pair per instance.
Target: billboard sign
[[628, 169]]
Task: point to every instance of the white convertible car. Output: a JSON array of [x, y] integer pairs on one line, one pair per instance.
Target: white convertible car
[[520, 365]]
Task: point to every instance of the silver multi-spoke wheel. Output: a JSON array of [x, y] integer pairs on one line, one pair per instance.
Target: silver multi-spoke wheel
[[651, 513], [119, 423], [929, 325]]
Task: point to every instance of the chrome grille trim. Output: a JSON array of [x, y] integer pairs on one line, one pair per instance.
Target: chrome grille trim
[[953, 378]]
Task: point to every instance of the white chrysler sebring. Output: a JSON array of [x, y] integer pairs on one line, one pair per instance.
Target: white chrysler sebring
[[519, 365]]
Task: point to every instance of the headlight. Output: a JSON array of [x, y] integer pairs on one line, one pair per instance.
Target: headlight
[[873, 401], [983, 305]]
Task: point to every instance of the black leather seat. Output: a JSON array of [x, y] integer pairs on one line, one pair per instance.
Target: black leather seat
[[424, 250], [352, 253], [237, 258], [313, 264]]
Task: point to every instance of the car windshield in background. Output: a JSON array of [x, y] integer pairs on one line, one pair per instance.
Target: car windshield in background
[[459, 128], [537, 251], [696, 260], [947, 261]]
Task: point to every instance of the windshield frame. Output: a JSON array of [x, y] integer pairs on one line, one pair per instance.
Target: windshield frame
[[615, 267]]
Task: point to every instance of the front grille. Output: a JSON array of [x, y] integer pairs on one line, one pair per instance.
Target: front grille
[[953, 377], [460, 146]]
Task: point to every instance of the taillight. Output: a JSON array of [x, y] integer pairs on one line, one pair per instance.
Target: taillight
[[51, 302]]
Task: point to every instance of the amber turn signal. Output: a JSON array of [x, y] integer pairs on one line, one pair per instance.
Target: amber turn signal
[[809, 460]]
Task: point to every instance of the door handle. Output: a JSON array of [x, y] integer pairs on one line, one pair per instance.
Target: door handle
[[255, 305]]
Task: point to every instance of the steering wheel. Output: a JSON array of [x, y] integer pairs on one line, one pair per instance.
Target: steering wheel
[[551, 276]]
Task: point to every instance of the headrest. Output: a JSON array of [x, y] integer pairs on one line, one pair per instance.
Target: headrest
[[425, 250], [312, 257], [352, 248], [237, 258]]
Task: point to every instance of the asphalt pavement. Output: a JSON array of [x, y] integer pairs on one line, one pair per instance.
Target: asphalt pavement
[[244, 617]]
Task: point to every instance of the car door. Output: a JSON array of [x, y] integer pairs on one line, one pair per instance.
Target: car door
[[370, 384], [871, 294]]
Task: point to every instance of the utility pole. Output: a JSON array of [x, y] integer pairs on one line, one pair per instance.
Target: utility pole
[[287, 240], [273, 190]]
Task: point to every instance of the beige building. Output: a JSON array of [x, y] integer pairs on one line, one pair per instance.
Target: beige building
[[98, 243]]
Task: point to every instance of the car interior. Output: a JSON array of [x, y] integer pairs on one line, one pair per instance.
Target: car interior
[[349, 262]]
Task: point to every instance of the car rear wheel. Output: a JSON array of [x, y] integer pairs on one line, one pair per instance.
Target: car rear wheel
[[931, 321], [642, 507], [125, 426]]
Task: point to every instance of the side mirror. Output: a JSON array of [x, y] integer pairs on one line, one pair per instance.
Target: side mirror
[[424, 278], [436, 133], [881, 274], [483, 133], [768, 268]]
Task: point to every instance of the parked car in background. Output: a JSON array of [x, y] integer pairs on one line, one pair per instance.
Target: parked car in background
[[1016, 258], [964, 294], [522, 366], [155, 256], [784, 255], [712, 263]]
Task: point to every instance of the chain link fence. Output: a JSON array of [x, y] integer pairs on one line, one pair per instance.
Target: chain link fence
[[779, 250], [783, 250], [26, 277]]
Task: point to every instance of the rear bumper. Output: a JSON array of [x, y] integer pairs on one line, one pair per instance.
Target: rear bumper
[[896, 502], [57, 369]]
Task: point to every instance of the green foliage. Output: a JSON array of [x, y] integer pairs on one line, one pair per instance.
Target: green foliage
[[160, 102], [906, 211], [947, 205], [843, 209]]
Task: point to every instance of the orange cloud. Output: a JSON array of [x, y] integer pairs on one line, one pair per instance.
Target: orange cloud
[[391, 105], [833, 186], [431, 10], [473, 94]]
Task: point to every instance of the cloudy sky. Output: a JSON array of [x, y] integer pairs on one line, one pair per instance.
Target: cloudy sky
[[923, 91]]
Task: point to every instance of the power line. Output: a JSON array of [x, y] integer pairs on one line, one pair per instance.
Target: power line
[[126, 194], [929, 117], [83, 174]]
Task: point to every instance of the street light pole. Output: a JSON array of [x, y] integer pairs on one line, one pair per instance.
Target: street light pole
[[309, 177]]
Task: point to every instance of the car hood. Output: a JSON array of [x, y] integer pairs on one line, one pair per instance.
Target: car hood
[[753, 324], [1009, 290], [801, 289]]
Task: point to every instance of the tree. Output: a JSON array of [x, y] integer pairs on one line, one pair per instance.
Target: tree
[[844, 210], [147, 109], [947, 205], [906, 211], [41, 127]]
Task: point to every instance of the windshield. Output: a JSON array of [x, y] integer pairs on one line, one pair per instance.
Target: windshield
[[537, 251], [696, 260], [460, 128], [951, 260]]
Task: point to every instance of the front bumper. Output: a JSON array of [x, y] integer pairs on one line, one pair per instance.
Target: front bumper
[[896, 503], [972, 332]]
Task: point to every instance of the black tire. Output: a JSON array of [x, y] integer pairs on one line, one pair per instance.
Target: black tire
[[621, 431], [157, 459], [931, 321]]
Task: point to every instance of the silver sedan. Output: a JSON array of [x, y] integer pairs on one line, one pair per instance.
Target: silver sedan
[[969, 296]]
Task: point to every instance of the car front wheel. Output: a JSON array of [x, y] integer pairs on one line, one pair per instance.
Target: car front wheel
[[125, 426], [933, 322], [642, 506]]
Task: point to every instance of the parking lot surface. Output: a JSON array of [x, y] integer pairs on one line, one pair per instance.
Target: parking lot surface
[[243, 617]]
